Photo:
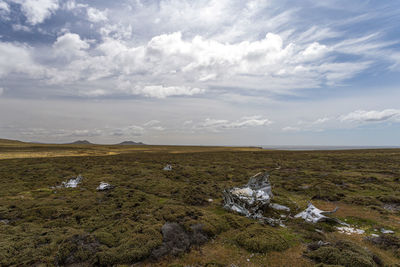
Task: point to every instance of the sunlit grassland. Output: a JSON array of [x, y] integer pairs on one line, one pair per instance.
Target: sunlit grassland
[[41, 225]]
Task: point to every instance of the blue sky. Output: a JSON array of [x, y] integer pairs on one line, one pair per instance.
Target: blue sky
[[201, 72]]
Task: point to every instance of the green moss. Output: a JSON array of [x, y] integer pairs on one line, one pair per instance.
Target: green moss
[[122, 226], [343, 253], [261, 239]]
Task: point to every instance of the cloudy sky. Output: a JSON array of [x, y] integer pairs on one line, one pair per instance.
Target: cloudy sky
[[201, 72]]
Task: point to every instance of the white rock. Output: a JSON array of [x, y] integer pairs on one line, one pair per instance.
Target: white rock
[[350, 230]]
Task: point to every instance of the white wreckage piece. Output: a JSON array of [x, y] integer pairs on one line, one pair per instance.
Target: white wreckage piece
[[251, 199], [104, 186], [72, 183], [167, 167], [279, 207], [313, 215]]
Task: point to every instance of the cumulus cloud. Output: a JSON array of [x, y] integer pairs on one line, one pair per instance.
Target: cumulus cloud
[[36, 11], [70, 45], [4, 10], [95, 15], [371, 116], [19, 27], [169, 65], [187, 55], [17, 58]]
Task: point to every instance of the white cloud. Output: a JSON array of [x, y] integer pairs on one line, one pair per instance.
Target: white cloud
[[36, 11], [117, 31], [291, 129], [19, 27], [95, 15], [17, 58], [151, 123], [321, 120], [221, 124], [168, 65], [187, 55], [70, 46], [159, 91], [132, 130], [371, 116], [4, 9], [69, 5]]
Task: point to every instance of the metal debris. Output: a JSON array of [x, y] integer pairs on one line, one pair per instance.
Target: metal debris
[[279, 207], [167, 167], [313, 215], [251, 199], [71, 183], [385, 231], [104, 186]]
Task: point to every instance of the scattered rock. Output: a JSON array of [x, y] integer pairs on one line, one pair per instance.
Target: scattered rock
[[167, 167], [177, 241], [395, 207], [385, 241], [210, 200], [77, 249], [104, 186], [317, 244], [350, 230], [313, 215], [5, 221]]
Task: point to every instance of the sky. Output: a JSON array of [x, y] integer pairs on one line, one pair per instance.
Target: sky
[[206, 72]]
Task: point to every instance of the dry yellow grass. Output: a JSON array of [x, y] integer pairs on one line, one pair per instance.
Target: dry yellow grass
[[14, 149], [222, 252]]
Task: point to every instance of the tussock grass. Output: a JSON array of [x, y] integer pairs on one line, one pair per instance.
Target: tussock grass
[[41, 225]]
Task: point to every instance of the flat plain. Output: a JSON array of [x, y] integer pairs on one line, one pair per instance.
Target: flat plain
[[44, 225]]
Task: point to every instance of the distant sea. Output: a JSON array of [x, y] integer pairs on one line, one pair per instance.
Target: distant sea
[[305, 148]]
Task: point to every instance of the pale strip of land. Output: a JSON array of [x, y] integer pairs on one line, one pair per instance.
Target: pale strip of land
[[10, 149]]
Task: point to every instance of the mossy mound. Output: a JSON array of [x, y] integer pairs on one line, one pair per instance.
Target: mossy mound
[[262, 238], [344, 253]]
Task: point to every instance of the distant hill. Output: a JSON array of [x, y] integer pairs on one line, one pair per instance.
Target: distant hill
[[80, 142], [10, 142], [130, 143]]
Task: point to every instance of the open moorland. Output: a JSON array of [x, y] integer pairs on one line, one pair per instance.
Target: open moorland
[[44, 224]]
